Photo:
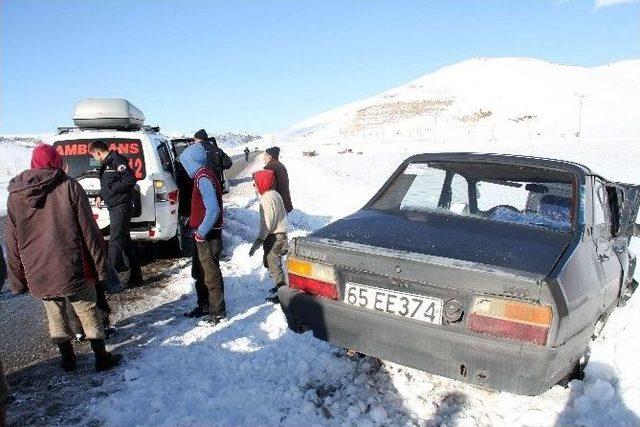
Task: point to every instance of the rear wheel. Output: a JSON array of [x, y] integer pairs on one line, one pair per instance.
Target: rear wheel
[[577, 370]]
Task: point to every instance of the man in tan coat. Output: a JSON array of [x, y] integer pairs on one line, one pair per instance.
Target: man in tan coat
[[273, 228], [281, 179]]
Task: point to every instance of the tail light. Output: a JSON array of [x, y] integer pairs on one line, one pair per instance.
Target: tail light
[[314, 278], [511, 319], [161, 193]]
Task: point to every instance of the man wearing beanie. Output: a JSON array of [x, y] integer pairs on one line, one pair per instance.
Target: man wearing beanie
[[50, 232], [272, 162]]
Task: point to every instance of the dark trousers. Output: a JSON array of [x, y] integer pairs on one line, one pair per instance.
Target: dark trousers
[[121, 250], [206, 270]]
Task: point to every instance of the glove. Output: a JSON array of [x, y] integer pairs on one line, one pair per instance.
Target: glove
[[255, 246]]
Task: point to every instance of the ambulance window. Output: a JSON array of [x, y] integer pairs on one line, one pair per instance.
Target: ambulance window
[[165, 158]]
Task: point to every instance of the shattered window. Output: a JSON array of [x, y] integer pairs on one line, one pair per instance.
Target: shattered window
[[516, 194]]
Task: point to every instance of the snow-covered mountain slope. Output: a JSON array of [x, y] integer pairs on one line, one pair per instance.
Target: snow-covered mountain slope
[[491, 99]]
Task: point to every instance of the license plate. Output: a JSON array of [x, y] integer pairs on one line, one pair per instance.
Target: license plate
[[401, 304]]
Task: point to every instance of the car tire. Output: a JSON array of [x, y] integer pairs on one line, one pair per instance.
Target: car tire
[[577, 370], [182, 243]]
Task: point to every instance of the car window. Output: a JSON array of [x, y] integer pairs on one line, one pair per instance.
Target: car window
[[492, 194], [518, 194], [165, 158], [75, 154], [433, 190], [601, 213]]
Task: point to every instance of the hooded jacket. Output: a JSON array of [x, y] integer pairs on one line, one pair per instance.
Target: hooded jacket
[[282, 182], [273, 217], [49, 226], [206, 190]]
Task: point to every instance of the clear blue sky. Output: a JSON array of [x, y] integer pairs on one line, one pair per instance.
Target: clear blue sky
[[263, 65]]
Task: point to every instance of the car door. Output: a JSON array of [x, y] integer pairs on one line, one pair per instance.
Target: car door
[[629, 196], [604, 238]]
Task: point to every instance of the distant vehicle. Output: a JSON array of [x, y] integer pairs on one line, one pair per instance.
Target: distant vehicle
[[495, 270], [151, 156]]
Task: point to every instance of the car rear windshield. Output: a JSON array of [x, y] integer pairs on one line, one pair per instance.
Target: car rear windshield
[[526, 195], [76, 155]]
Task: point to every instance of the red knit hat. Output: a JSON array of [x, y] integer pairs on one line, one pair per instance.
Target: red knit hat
[[45, 157]]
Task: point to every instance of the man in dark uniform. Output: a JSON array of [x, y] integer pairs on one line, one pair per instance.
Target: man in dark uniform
[[116, 191]]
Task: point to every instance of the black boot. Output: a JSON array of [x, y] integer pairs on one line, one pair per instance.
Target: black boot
[[68, 363], [197, 312], [104, 359], [109, 330]]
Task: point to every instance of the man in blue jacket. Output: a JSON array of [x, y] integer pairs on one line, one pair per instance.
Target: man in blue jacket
[[206, 221]]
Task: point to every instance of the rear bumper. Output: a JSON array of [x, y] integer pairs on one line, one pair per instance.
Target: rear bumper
[[484, 362], [163, 228]]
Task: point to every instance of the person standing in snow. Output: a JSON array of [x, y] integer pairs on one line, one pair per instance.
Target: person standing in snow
[[246, 154], [117, 184], [272, 162], [49, 233], [273, 228], [206, 220], [4, 390]]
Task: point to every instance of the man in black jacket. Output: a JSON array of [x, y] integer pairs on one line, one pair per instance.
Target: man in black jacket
[[117, 184], [217, 160]]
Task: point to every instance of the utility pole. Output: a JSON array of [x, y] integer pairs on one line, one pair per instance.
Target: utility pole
[[581, 96]]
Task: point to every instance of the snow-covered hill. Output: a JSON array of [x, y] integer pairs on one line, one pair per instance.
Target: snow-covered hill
[[488, 100]]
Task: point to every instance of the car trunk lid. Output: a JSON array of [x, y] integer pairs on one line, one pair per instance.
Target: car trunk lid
[[495, 245]]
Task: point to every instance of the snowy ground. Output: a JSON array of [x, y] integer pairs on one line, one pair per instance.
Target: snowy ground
[[252, 370]]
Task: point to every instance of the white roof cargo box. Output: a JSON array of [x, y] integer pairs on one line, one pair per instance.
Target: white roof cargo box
[[107, 113]]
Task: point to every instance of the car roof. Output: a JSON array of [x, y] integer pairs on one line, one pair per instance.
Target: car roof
[[503, 159]]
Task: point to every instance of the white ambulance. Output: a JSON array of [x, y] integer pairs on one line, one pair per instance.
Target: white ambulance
[[151, 155]]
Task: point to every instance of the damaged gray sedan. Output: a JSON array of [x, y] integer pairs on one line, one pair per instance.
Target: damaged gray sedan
[[495, 270]]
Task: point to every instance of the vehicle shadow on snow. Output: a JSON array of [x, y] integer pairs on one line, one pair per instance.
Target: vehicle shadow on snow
[[597, 400]]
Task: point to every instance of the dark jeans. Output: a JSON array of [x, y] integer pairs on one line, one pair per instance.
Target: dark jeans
[[206, 270], [121, 250]]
